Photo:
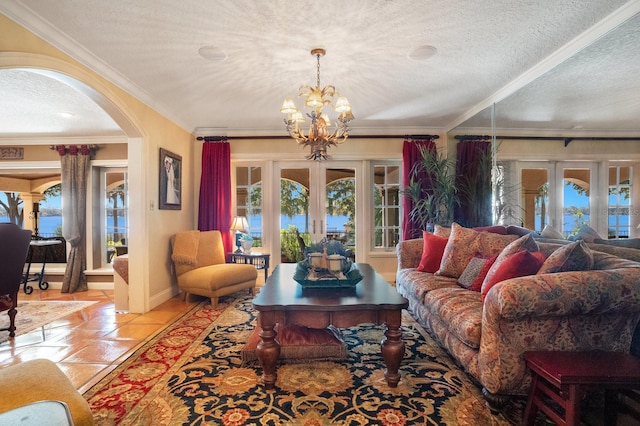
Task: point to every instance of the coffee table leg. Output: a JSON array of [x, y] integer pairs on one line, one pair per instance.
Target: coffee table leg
[[392, 348], [268, 350]]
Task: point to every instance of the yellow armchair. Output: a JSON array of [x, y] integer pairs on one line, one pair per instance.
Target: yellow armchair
[[199, 261]]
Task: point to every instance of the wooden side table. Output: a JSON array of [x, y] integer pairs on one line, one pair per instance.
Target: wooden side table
[[259, 260], [565, 376]]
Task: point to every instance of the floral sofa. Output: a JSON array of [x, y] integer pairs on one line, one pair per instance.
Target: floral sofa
[[591, 304]]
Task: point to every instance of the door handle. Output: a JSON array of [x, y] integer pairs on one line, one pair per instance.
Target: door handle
[[321, 227], [314, 226]]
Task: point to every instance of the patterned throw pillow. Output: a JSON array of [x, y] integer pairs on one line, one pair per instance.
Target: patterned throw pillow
[[441, 231], [526, 242], [576, 256], [431, 252], [552, 233], [471, 272], [586, 234], [477, 283], [520, 264], [464, 243]]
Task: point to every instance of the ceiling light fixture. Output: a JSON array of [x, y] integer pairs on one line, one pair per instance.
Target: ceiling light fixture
[[320, 136]]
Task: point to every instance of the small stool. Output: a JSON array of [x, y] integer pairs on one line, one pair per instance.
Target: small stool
[[564, 376]]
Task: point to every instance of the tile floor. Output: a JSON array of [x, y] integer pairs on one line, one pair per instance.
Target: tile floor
[[90, 343]]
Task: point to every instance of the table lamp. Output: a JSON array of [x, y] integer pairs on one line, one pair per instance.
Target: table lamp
[[239, 225]]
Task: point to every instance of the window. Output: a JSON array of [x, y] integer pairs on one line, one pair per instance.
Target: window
[[386, 205], [116, 220], [620, 178], [249, 200]]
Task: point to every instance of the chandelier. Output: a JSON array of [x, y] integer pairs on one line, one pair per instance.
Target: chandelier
[[320, 135]]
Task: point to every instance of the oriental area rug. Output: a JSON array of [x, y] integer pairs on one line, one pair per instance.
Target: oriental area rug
[[192, 373], [35, 314]]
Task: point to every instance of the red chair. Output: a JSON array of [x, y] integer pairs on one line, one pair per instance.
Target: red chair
[[14, 246]]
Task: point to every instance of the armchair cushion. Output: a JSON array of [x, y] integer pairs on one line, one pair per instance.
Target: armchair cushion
[[185, 248]]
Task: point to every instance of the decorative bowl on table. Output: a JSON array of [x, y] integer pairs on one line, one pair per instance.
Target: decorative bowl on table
[[313, 277]]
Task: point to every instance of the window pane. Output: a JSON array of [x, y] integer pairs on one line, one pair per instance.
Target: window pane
[[535, 196], [386, 206], [249, 200], [620, 179]]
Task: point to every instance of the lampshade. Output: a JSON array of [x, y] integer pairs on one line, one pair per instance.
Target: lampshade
[[342, 105], [288, 107], [239, 224]]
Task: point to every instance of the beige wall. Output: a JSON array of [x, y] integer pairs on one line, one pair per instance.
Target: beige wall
[[146, 131]]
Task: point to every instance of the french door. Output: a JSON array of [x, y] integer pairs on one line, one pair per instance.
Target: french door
[[317, 201], [560, 194]]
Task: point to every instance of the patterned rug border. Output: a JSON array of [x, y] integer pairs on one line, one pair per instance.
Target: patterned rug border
[[224, 305], [152, 341], [26, 324]]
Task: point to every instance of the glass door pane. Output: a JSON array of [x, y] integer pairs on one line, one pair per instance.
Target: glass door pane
[[317, 201], [535, 198], [296, 228], [249, 200], [340, 206], [576, 191]]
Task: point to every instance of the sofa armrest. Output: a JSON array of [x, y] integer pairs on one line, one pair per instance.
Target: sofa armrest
[[568, 311], [566, 293], [409, 253]]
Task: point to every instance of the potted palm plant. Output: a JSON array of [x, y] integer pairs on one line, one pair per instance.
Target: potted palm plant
[[434, 206]]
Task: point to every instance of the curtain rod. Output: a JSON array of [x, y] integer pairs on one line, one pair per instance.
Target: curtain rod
[[222, 138], [567, 139]]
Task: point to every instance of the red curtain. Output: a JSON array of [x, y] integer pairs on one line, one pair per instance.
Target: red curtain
[[410, 157], [473, 179], [214, 211]]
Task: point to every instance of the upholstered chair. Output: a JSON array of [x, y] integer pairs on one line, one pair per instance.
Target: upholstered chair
[[14, 246], [199, 261]]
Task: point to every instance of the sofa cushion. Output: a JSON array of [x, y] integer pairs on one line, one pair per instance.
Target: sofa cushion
[[412, 283], [552, 233], [460, 310], [477, 283], [633, 243], [586, 234], [576, 256], [441, 231], [520, 231], [432, 251], [464, 243], [496, 229], [516, 265], [472, 271], [524, 243]]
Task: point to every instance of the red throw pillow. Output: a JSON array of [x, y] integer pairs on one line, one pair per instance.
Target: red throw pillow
[[431, 252], [517, 265], [477, 283]]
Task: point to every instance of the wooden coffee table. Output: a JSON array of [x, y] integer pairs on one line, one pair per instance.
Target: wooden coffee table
[[373, 300]]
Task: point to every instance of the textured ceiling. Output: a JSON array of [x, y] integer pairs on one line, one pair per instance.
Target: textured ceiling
[[543, 63]]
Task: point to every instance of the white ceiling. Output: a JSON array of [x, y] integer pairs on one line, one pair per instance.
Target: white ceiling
[[548, 65]]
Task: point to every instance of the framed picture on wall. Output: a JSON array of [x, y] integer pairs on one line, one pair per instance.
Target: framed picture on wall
[[170, 181]]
